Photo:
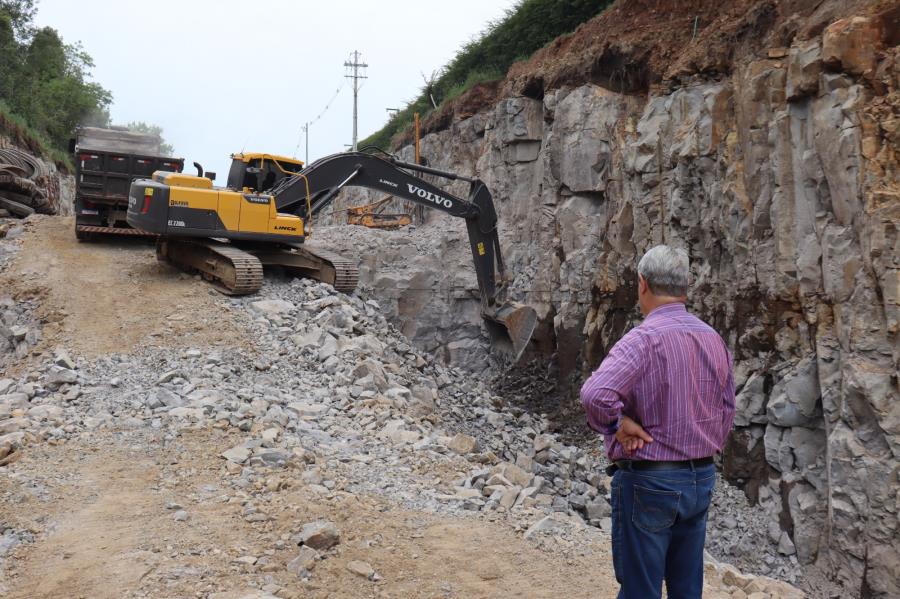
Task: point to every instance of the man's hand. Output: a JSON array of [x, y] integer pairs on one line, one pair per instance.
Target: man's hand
[[632, 435]]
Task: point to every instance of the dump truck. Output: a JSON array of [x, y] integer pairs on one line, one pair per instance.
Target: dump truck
[[106, 162]]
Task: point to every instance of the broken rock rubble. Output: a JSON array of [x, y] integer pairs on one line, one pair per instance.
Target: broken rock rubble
[[351, 408]]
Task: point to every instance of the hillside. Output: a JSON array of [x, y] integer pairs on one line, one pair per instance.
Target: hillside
[[525, 28]]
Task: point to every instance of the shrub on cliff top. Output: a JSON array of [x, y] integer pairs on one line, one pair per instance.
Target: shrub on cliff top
[[526, 27]]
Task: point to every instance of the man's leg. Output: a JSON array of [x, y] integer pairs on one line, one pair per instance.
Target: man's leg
[[644, 509], [684, 560]]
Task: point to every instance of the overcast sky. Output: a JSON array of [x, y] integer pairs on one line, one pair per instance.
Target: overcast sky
[[224, 75]]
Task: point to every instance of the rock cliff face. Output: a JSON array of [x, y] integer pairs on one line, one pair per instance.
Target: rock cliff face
[[780, 179]]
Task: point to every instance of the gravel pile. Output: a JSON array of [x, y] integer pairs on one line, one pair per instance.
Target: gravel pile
[[19, 330]]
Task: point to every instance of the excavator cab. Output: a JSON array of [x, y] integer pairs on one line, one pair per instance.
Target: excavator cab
[[260, 172]]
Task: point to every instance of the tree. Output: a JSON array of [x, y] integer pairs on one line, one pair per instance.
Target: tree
[[142, 127], [52, 94], [21, 15], [10, 66], [45, 81]]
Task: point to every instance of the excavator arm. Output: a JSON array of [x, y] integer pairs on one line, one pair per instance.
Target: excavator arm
[[307, 193]]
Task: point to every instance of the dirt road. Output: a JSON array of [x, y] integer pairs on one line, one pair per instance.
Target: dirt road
[[159, 440], [91, 505], [110, 295], [98, 509]]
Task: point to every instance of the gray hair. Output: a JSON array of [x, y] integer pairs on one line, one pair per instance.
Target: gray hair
[[666, 270]]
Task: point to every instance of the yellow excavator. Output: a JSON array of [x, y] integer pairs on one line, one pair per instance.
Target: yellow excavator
[[261, 218]]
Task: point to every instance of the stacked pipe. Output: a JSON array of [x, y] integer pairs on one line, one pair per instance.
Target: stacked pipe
[[22, 184]]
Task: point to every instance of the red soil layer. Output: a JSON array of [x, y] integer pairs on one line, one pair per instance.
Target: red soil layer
[[636, 46]]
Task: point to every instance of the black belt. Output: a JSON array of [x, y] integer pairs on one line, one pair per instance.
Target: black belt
[[657, 465]]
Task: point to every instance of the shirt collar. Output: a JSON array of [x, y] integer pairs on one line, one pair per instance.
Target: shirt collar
[[666, 310]]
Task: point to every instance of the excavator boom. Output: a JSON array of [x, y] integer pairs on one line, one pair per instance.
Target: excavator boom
[[229, 234], [310, 191]]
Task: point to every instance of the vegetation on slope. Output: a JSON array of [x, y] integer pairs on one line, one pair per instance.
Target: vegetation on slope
[[526, 27], [45, 87], [15, 127], [43, 80]]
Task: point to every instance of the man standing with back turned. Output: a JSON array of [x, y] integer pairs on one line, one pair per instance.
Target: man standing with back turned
[[664, 400]]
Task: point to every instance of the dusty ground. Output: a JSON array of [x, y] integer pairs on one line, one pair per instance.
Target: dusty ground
[[112, 430], [108, 296], [98, 508]]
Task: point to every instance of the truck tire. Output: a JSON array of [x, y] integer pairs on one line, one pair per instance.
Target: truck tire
[[83, 235]]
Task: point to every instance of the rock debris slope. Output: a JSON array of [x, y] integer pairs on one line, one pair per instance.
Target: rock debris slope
[[330, 405], [767, 147]]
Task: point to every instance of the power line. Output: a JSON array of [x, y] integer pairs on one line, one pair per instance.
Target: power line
[[304, 129], [328, 105]]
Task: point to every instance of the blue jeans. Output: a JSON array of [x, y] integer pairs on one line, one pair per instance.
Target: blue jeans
[[658, 530]]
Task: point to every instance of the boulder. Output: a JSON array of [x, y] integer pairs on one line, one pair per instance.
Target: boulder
[[804, 68], [852, 44], [462, 444], [237, 454], [320, 535], [304, 562], [272, 307]]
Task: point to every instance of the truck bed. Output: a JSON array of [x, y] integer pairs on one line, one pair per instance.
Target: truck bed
[[102, 181]]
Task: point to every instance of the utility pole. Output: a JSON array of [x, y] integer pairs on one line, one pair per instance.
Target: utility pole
[[306, 138], [354, 66]]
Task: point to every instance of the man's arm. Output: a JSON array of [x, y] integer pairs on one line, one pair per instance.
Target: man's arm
[[602, 394], [728, 407], [603, 408]]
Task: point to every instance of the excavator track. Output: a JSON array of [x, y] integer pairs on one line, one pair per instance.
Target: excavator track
[[346, 272], [238, 270], [314, 263], [229, 269]]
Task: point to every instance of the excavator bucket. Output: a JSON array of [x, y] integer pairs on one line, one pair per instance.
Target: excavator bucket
[[510, 326]]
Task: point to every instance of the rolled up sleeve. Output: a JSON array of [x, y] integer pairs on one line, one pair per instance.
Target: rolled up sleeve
[[604, 393]]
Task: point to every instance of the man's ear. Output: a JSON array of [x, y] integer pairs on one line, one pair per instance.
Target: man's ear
[[642, 284]]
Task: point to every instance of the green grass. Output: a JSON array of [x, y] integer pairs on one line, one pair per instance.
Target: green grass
[[15, 127], [472, 79], [526, 27]]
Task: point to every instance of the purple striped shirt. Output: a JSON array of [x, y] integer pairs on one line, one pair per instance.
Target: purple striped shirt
[[672, 375]]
